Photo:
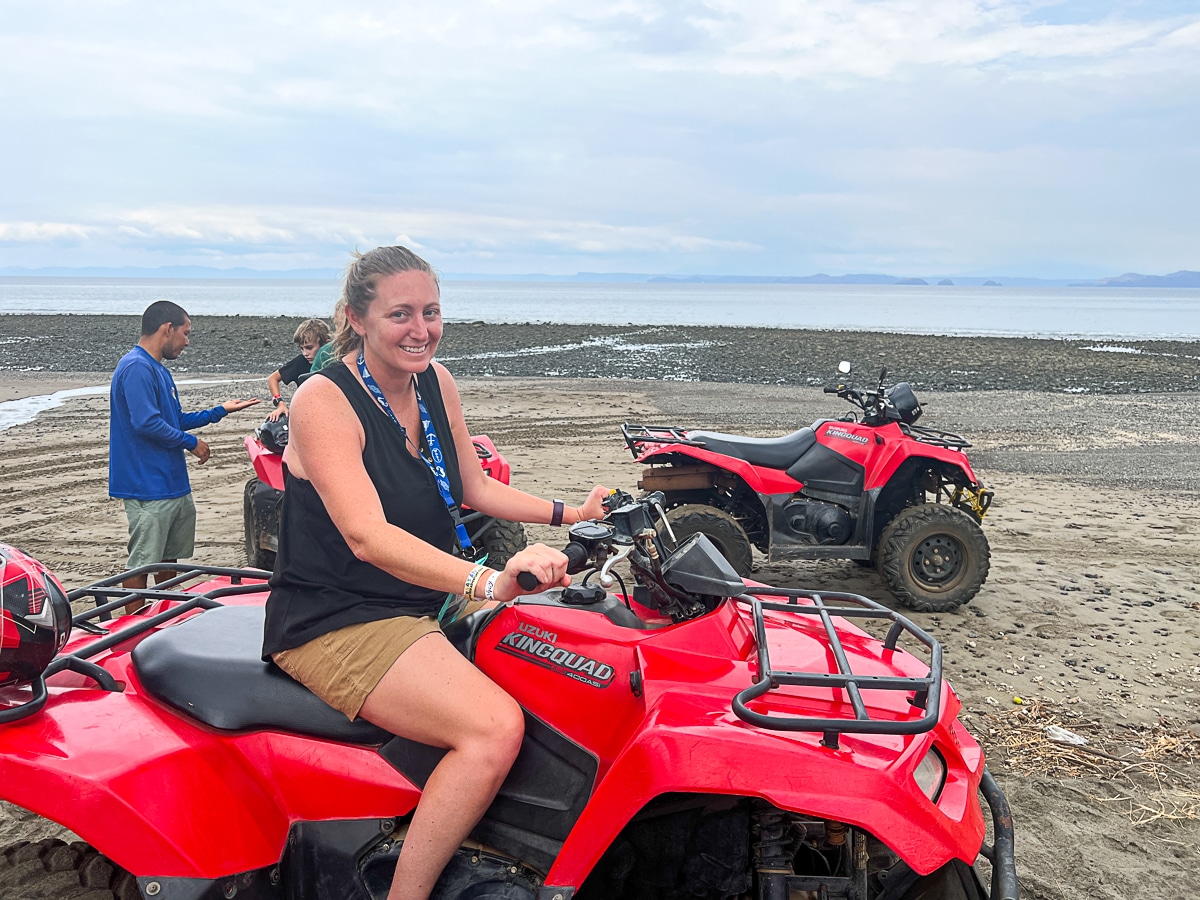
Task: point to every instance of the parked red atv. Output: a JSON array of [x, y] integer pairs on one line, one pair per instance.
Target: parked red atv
[[498, 538], [696, 738], [878, 489]]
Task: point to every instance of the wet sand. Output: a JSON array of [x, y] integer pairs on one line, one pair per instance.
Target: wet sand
[[1091, 614]]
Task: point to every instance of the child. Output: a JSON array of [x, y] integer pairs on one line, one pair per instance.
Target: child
[[310, 337], [328, 353]]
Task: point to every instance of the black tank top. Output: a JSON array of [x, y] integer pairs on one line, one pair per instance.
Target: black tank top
[[319, 585]]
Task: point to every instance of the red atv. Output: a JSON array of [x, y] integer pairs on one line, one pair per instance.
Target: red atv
[[696, 737], [498, 538], [850, 488]]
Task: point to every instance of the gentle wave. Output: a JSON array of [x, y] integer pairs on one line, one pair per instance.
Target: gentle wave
[[1046, 312], [26, 409]]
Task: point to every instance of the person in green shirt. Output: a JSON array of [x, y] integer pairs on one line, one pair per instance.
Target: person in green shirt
[[326, 355]]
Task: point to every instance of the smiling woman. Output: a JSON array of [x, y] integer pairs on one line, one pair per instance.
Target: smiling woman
[[374, 558], [362, 286]]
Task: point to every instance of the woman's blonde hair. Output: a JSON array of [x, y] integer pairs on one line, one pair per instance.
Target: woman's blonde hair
[[362, 276]]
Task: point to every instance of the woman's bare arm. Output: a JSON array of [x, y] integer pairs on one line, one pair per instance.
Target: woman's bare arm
[[492, 497]]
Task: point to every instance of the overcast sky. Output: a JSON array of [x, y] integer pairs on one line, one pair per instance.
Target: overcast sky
[[665, 136]]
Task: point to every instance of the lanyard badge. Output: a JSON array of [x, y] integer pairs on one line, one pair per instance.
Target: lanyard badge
[[435, 462]]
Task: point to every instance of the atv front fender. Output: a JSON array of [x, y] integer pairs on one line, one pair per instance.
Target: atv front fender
[[867, 783], [268, 466], [161, 795], [903, 451]]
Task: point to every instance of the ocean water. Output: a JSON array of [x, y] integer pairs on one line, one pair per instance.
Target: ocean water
[[1172, 313], [26, 409]]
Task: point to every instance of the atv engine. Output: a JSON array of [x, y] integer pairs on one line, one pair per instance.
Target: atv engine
[[817, 522]]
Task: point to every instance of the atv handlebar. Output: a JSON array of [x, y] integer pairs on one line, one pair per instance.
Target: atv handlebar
[[879, 405], [577, 558], [591, 542]]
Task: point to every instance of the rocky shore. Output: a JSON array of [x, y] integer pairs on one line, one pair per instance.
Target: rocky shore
[[760, 356], [1089, 619]]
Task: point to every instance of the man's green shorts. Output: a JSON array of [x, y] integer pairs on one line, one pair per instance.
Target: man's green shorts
[[160, 530]]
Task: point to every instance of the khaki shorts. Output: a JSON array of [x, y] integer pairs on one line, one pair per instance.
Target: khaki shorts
[[344, 666], [160, 530]]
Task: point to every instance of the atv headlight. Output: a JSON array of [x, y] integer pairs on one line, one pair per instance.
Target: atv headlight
[[930, 774]]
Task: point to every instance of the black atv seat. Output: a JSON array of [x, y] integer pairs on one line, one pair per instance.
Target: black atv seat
[[773, 453], [210, 668]]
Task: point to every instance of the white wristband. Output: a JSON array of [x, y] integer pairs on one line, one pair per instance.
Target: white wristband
[[489, 588]]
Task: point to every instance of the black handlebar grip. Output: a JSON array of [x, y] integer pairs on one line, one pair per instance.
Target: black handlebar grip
[[830, 390], [577, 561], [577, 557]]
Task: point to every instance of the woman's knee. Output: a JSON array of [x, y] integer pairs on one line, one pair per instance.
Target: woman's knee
[[497, 735], [512, 730]]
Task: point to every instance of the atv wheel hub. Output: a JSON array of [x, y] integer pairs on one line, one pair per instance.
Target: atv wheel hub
[[937, 559]]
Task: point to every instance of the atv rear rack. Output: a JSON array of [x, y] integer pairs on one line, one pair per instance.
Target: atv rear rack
[[108, 594], [926, 690], [636, 435]]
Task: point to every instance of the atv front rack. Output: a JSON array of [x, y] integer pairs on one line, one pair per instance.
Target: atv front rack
[[109, 594], [926, 690], [947, 439]]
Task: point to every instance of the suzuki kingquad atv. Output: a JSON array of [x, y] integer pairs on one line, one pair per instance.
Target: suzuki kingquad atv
[[498, 538], [696, 738], [849, 488]]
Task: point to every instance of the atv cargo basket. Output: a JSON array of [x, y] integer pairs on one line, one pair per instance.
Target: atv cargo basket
[[926, 691], [108, 595]]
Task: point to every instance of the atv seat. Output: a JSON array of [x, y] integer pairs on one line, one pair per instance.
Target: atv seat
[[210, 667], [773, 453]]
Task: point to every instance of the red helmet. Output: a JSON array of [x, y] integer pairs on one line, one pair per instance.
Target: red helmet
[[35, 617]]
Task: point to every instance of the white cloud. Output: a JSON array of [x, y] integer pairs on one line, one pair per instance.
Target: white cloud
[[216, 229], [43, 232], [542, 134]]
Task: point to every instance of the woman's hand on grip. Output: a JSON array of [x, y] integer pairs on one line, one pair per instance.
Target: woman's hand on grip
[[547, 565], [593, 507]]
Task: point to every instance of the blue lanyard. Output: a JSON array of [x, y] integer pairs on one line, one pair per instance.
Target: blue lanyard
[[436, 465]]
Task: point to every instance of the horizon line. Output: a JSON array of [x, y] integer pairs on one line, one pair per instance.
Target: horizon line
[[329, 273]]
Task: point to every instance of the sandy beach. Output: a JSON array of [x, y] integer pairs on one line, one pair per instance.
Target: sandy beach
[[1091, 614]]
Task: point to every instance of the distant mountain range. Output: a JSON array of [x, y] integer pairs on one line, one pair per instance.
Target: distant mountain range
[[1181, 279], [165, 272]]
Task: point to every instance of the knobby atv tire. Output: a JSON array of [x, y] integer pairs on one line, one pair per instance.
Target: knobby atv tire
[[55, 870], [256, 556], [501, 542], [933, 558], [720, 527]]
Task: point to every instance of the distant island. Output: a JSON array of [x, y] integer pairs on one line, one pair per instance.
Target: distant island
[[1182, 279]]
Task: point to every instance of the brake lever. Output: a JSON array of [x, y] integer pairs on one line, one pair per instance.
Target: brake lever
[[619, 552]]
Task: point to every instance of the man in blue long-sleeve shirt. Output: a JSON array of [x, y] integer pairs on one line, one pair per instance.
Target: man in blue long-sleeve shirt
[[148, 436]]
